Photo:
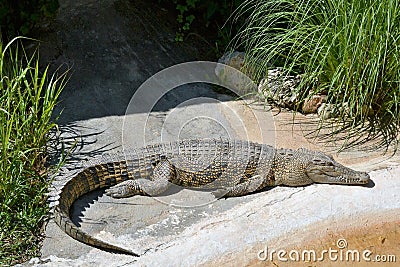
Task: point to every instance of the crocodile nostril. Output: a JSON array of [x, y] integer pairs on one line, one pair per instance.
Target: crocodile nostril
[[365, 177]]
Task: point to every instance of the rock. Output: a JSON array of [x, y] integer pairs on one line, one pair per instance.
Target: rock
[[34, 261], [328, 110], [233, 59], [280, 88], [312, 104], [233, 76]]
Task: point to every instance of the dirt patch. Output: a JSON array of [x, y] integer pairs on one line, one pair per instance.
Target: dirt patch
[[366, 241], [376, 243]]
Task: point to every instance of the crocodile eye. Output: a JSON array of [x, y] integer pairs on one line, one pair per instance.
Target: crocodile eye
[[322, 162]]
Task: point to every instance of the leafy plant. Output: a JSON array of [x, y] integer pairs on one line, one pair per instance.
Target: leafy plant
[[209, 14], [19, 17], [27, 99], [347, 49], [185, 17]]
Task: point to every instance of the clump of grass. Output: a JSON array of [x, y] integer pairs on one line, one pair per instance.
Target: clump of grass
[[346, 49], [27, 99]]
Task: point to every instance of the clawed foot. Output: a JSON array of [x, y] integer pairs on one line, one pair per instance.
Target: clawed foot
[[120, 190], [219, 193]]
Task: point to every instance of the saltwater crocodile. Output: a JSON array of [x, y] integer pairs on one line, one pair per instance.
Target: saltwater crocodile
[[233, 167]]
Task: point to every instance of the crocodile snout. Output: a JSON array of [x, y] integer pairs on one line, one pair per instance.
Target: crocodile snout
[[364, 177]]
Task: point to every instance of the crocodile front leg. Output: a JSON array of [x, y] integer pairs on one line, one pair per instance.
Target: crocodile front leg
[[241, 189], [159, 183]]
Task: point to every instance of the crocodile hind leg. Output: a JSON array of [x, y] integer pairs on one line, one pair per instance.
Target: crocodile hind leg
[[157, 185]]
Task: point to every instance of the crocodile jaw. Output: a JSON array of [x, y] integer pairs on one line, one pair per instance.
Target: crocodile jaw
[[336, 174]]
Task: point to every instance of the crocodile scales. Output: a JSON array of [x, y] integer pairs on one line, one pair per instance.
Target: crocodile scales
[[232, 166]]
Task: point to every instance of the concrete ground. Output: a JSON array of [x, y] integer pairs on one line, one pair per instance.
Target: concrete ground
[[112, 48]]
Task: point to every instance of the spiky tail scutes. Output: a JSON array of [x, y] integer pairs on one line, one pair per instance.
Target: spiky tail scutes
[[85, 181]]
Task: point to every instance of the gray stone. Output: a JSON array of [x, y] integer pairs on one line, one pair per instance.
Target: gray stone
[[280, 88], [328, 110], [232, 73], [233, 59]]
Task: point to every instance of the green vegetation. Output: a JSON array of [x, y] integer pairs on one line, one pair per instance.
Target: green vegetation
[[209, 14], [27, 99], [184, 19], [20, 17], [346, 49]]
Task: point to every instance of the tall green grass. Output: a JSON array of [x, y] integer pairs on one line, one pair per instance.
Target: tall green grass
[[346, 49], [27, 99]]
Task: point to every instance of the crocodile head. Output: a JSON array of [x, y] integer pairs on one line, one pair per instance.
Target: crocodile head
[[303, 167], [326, 170]]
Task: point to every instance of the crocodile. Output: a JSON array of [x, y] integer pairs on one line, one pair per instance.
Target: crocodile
[[227, 168]]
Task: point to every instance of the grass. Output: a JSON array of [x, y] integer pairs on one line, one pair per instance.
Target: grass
[[346, 49], [27, 99]]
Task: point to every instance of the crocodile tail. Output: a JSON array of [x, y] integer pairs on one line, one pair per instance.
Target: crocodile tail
[[84, 182]]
